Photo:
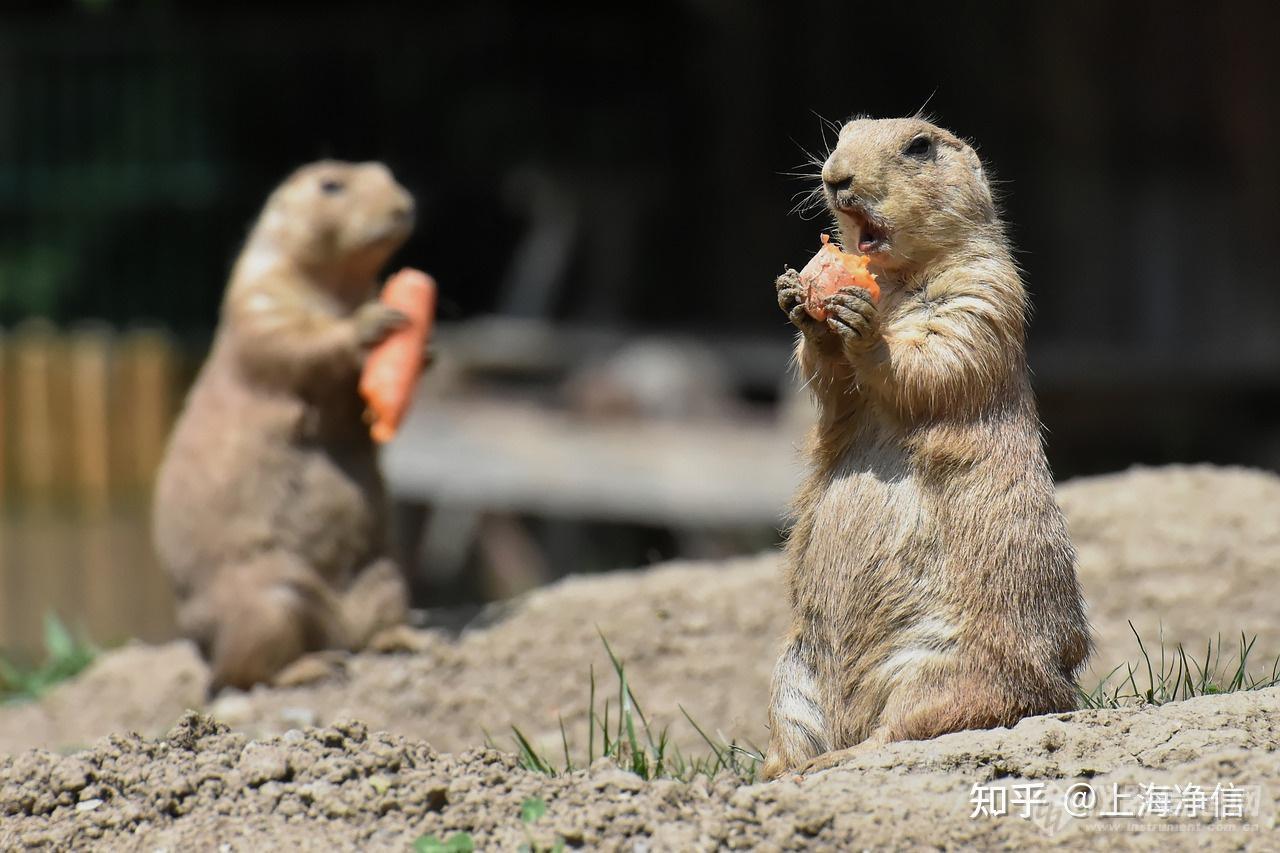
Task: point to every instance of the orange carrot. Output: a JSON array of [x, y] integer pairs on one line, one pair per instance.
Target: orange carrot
[[829, 271], [392, 368]]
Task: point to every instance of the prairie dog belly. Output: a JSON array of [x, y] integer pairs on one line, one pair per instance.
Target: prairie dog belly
[[871, 582], [872, 511]]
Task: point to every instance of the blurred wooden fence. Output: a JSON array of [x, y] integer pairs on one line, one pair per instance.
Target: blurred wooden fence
[[83, 418]]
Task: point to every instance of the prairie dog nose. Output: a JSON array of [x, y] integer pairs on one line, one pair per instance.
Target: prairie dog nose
[[835, 186], [405, 210]]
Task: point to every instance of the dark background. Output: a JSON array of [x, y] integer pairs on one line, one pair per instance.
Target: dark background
[[1136, 147]]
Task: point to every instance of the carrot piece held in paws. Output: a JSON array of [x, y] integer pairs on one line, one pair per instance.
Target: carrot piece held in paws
[[829, 271], [392, 367]]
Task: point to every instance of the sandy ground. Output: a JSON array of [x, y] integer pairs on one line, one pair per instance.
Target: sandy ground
[[1190, 551], [340, 787]]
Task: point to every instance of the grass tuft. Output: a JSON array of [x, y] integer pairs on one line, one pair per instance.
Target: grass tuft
[[459, 842], [627, 738], [65, 655], [1174, 675]]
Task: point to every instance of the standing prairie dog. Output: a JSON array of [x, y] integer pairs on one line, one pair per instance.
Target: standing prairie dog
[[931, 577], [269, 507]]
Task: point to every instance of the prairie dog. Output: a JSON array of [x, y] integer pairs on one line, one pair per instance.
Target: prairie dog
[[931, 577], [269, 506]]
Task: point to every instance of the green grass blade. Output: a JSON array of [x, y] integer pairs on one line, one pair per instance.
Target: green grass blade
[[591, 719], [715, 748], [529, 756], [1151, 679], [564, 741], [58, 643]]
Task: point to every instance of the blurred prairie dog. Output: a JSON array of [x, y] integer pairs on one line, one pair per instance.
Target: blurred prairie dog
[[931, 576], [269, 508]]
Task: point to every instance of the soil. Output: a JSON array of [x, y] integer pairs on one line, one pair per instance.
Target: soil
[[340, 787], [1190, 550]]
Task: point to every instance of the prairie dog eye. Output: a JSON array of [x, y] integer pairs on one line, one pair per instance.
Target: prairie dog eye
[[332, 186], [919, 148]]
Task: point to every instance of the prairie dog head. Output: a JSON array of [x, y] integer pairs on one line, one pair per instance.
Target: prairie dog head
[[905, 191], [338, 219]]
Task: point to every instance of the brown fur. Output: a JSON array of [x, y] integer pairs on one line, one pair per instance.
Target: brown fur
[[269, 509], [931, 576]]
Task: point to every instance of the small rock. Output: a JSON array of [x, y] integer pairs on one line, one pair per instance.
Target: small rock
[[263, 763], [298, 717], [191, 728], [352, 728], [234, 709], [616, 778]]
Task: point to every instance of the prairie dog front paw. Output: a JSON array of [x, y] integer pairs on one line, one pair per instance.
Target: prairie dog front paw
[[791, 299], [853, 318], [374, 321]]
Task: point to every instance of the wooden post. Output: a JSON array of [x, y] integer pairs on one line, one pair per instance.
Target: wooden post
[[4, 445], [8, 530], [148, 373], [34, 448], [90, 427]]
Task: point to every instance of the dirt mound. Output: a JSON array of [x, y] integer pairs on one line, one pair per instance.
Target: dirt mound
[[342, 788], [1189, 549], [1192, 549], [1186, 548], [701, 635], [135, 688]]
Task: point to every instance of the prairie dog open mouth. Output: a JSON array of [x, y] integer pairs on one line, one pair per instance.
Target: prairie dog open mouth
[[396, 228], [862, 233]]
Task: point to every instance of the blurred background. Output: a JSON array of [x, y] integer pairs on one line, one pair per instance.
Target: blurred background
[[606, 197]]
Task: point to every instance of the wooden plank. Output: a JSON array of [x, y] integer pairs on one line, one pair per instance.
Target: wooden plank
[[513, 345], [511, 457]]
